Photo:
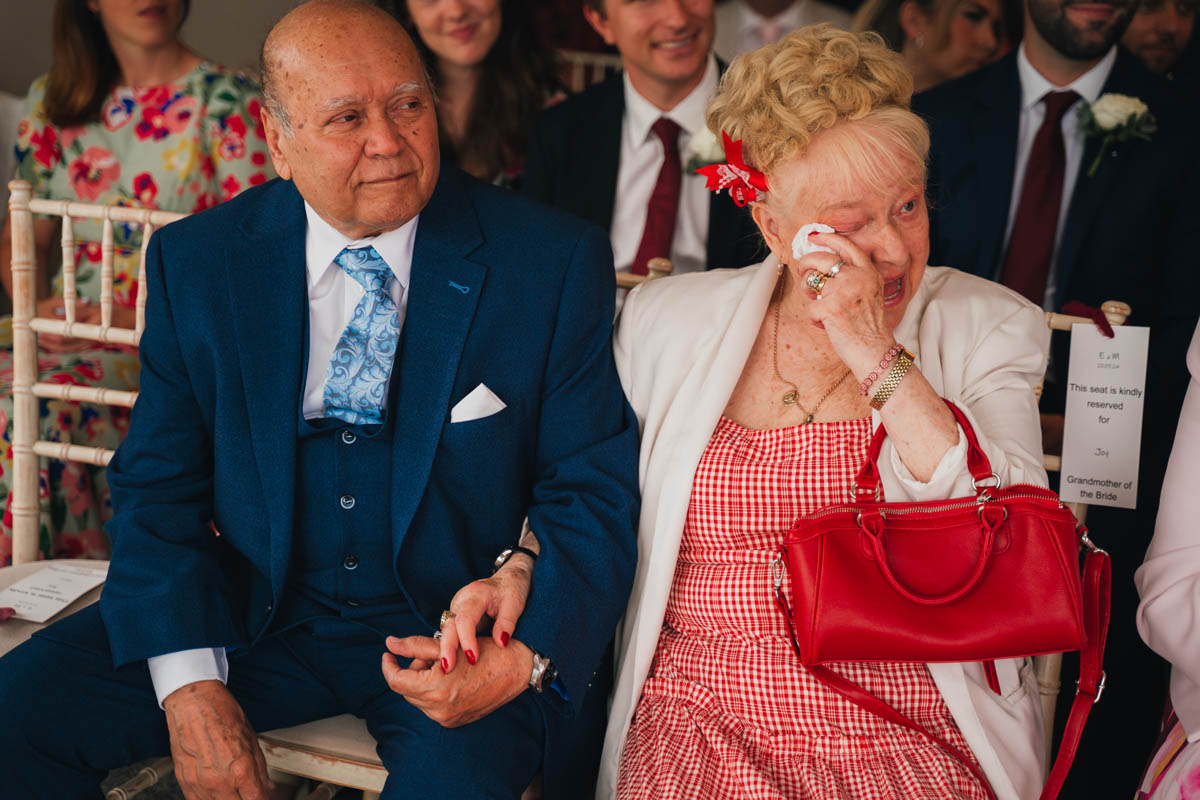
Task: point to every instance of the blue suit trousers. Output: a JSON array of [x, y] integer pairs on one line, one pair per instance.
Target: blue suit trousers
[[68, 716]]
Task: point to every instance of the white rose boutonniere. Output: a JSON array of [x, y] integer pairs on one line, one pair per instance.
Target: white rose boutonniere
[[704, 149], [1116, 118]]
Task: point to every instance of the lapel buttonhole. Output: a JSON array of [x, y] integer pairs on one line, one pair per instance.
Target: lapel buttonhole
[[460, 287]]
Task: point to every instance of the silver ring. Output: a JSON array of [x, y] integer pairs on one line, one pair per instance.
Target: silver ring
[[836, 268], [437, 634]]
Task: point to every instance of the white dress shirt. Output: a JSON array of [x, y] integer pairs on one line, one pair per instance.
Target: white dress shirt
[[332, 296], [741, 28], [641, 160], [1033, 87]]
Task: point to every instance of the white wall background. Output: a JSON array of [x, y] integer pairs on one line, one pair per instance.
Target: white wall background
[[227, 31]]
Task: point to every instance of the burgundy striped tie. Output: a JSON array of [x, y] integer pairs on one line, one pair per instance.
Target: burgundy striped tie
[[1031, 246], [664, 200]]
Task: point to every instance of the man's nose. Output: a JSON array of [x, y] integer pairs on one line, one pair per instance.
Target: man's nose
[[989, 39], [383, 137], [675, 13]]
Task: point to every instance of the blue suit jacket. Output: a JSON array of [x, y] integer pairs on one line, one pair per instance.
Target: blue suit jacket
[[503, 292]]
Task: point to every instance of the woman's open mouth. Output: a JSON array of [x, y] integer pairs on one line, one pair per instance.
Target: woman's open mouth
[[893, 291]]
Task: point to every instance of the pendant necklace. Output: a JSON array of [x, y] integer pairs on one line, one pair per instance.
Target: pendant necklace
[[792, 396]]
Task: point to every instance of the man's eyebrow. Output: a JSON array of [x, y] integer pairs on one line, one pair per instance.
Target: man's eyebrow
[[349, 99]]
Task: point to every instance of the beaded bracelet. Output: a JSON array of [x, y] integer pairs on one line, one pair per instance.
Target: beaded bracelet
[[883, 365]]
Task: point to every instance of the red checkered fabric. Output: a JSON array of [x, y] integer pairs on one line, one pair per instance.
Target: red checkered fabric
[[727, 710]]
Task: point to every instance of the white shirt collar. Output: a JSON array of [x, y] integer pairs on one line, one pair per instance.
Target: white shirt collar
[[323, 242], [788, 19], [688, 114], [1088, 85]]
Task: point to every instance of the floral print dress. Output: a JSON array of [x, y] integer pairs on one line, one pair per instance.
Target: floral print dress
[[180, 147]]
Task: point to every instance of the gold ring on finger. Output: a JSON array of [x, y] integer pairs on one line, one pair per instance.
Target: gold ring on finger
[[447, 615], [816, 280]]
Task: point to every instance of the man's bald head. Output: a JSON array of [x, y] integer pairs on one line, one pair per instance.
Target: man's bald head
[[349, 115], [313, 29]]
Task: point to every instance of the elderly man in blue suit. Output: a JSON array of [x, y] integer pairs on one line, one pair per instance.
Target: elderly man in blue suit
[[357, 382]]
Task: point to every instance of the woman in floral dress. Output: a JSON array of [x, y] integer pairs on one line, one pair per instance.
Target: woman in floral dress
[[127, 115]]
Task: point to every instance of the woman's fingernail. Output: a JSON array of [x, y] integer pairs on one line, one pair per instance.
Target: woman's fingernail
[[504, 639], [445, 667], [470, 657]]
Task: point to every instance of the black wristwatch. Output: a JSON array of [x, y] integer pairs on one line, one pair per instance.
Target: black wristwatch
[[543, 674], [508, 553]]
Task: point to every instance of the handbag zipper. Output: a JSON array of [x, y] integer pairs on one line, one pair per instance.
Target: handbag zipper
[[885, 512]]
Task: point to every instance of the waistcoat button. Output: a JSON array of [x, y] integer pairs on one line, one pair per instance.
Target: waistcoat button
[[348, 437], [347, 501], [350, 562]]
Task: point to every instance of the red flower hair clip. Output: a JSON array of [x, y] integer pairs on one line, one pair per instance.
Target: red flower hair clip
[[743, 181]]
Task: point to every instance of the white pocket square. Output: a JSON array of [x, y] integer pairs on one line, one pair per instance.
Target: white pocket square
[[481, 402]]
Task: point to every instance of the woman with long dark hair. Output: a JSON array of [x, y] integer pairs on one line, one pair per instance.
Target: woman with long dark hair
[[492, 76], [129, 115]]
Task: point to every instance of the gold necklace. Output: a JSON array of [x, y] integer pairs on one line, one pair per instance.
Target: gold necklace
[[792, 396]]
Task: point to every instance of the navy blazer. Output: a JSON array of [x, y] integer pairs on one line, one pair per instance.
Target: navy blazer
[[572, 162], [503, 292], [1129, 230]]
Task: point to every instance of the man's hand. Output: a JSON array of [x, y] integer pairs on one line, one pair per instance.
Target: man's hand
[[470, 691], [216, 752]]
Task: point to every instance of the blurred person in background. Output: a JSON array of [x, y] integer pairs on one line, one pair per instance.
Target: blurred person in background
[[129, 115], [939, 39], [1159, 33], [493, 75], [744, 25]]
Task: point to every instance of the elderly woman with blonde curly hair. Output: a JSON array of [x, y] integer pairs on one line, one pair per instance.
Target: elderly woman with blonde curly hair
[[758, 391]]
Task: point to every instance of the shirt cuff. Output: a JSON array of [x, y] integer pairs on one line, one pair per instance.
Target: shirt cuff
[[172, 671], [941, 483]]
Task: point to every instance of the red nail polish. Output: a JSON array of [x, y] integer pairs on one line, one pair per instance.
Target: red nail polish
[[445, 666], [470, 657], [504, 639]]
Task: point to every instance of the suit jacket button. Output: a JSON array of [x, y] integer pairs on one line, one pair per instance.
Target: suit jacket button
[[347, 501], [350, 562]]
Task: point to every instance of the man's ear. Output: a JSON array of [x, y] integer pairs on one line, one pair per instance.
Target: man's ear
[[599, 22], [913, 21], [274, 132]]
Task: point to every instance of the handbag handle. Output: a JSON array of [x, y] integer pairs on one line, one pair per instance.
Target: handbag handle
[[868, 483], [871, 525]]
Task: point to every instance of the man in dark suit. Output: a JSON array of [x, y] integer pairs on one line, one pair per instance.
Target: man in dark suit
[[359, 377], [1020, 194], [617, 154]]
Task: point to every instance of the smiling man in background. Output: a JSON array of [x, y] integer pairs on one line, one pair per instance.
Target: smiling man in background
[[617, 154]]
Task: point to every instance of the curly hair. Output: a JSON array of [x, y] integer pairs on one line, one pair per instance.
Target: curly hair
[[778, 98]]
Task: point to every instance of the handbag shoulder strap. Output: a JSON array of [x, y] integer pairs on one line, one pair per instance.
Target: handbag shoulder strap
[[1096, 588]]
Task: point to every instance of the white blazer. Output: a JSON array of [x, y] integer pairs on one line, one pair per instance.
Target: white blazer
[[1169, 580], [681, 344]]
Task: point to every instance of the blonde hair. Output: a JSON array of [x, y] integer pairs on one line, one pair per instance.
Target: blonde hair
[[778, 98]]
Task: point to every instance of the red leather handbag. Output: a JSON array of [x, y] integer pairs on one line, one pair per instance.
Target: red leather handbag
[[977, 578]]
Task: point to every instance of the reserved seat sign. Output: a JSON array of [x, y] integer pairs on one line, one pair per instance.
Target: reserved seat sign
[[1102, 437]]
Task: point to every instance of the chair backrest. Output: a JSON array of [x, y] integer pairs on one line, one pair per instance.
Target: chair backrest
[[1047, 668], [655, 268], [584, 68], [26, 325]]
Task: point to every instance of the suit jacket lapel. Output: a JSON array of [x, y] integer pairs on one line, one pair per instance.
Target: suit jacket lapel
[[1090, 193], [444, 291], [994, 135], [268, 291]]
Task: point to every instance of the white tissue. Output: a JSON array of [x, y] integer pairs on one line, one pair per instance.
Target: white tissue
[[801, 246]]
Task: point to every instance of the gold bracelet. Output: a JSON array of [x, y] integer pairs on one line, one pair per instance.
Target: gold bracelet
[[890, 381]]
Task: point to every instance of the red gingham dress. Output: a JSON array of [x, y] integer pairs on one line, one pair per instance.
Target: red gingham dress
[[727, 711]]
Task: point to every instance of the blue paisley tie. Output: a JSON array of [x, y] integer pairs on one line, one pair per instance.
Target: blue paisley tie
[[356, 381]]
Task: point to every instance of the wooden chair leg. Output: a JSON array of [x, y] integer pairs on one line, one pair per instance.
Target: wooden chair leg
[[1048, 669], [146, 777]]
